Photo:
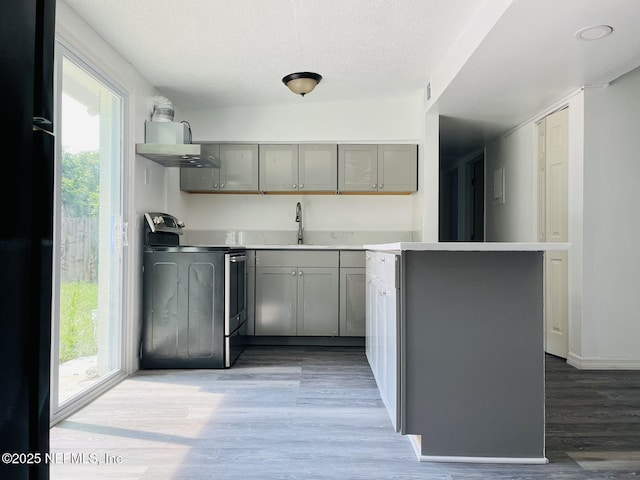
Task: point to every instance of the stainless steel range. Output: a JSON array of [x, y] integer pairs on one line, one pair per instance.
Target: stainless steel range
[[194, 300]]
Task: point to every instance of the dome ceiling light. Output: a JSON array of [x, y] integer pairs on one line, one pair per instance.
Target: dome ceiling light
[[302, 83], [595, 32]]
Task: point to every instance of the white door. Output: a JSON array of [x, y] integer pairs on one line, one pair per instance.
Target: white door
[[553, 208]]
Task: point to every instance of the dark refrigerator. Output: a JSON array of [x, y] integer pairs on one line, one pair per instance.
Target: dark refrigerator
[[26, 234]]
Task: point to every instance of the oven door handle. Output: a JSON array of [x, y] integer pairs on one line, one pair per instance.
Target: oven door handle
[[237, 258]]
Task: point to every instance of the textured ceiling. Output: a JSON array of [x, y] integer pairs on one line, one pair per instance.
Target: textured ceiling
[[205, 53]]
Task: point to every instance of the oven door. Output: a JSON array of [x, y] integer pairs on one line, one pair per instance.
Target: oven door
[[235, 287]]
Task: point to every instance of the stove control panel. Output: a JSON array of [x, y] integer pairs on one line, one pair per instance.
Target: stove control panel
[[163, 222]]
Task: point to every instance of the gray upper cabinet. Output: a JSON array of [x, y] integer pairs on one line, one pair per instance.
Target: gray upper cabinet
[[357, 168], [278, 168], [397, 168], [378, 168], [318, 167], [202, 179], [298, 168], [239, 170]]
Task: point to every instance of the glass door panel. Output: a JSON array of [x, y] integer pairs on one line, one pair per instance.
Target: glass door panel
[[87, 309]]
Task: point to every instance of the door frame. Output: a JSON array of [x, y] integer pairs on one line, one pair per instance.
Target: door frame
[[82, 398]]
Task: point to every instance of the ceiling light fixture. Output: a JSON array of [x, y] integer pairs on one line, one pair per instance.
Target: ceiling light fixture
[[302, 83], [595, 32]]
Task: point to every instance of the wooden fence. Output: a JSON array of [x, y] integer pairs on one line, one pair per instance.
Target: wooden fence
[[79, 249]]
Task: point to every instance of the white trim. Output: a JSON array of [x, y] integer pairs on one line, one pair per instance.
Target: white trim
[[417, 439], [503, 460], [603, 363]]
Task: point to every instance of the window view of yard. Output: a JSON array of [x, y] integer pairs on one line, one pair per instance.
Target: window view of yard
[[78, 345]]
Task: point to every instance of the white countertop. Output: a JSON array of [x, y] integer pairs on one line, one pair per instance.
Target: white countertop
[[470, 246], [292, 247]]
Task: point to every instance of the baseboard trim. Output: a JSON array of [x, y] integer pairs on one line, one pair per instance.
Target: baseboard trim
[[416, 444], [602, 363]]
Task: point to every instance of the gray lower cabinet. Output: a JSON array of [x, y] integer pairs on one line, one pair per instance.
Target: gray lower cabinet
[[352, 294], [251, 291], [296, 293]]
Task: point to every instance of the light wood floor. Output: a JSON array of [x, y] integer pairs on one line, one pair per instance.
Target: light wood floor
[[315, 413]]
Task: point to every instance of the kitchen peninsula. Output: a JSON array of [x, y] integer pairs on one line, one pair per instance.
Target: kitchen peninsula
[[455, 341]]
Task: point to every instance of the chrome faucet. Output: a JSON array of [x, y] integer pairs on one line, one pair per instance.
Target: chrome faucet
[[299, 220]]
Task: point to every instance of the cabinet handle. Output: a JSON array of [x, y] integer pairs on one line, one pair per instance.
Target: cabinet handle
[[300, 272], [294, 185], [380, 186], [293, 273], [222, 185], [301, 185], [374, 185], [215, 185]]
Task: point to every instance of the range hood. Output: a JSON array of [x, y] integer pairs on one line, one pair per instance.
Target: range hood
[[169, 144]]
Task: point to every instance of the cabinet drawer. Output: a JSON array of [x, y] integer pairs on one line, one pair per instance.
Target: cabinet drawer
[[296, 258], [352, 258]]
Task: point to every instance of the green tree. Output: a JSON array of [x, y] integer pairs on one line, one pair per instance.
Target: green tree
[[81, 183]]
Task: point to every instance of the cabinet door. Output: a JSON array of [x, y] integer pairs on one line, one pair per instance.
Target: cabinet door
[[318, 301], [318, 167], [357, 168], [276, 300], [397, 168], [239, 170], [251, 299], [278, 168], [202, 179], [352, 301]]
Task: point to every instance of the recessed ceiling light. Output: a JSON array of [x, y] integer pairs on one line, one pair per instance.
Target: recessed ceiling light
[[595, 32]]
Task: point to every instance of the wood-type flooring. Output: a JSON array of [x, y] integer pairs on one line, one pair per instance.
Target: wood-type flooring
[[315, 413]]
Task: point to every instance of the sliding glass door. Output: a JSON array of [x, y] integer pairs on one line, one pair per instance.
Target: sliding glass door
[[88, 279]]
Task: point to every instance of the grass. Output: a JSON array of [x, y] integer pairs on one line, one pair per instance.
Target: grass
[[77, 329]]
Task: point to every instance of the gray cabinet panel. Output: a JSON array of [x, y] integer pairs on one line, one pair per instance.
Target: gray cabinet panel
[[276, 300], [164, 310], [357, 168], [296, 258], [202, 179], [352, 301], [397, 168], [278, 168], [251, 298], [239, 170], [200, 310], [317, 301], [352, 258], [318, 167]]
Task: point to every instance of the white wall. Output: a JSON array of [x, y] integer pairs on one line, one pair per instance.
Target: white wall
[[385, 120], [611, 310], [82, 39], [515, 219]]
